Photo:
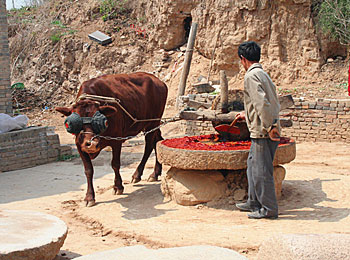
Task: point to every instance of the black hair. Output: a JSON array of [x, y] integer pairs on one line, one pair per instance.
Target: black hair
[[249, 50]]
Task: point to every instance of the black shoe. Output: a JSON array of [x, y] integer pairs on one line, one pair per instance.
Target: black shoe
[[258, 215], [246, 207]]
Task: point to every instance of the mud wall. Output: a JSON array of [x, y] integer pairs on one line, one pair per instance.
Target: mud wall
[[5, 91], [285, 29]]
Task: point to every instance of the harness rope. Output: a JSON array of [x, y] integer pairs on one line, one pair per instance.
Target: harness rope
[[116, 101]]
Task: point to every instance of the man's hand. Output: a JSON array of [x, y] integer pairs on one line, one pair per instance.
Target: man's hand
[[240, 116], [274, 134]]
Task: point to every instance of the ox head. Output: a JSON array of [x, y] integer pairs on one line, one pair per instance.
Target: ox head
[[86, 119]]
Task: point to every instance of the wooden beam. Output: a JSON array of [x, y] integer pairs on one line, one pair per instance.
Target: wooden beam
[[214, 116], [187, 62], [223, 91]]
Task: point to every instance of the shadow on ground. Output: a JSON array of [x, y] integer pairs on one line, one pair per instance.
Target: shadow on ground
[[56, 178], [301, 198], [141, 203]]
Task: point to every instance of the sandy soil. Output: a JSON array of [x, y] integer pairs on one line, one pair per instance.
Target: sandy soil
[[316, 199]]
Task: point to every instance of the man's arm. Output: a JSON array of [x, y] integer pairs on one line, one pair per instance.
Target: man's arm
[[259, 101]]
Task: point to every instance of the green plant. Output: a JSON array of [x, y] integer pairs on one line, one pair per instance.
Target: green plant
[[334, 18], [142, 19], [67, 157], [71, 31], [109, 9], [56, 37], [18, 85], [59, 24]]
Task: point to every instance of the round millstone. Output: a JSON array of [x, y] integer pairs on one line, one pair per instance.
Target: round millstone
[[215, 160], [30, 235]]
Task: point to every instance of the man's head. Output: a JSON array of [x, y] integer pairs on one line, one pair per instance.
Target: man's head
[[249, 53]]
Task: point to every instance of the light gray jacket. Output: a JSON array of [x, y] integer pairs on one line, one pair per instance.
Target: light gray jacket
[[261, 103]]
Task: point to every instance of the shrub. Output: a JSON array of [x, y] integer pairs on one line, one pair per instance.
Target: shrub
[[334, 18], [110, 9], [56, 37]]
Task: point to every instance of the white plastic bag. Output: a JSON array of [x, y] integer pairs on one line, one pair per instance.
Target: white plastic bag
[[8, 123]]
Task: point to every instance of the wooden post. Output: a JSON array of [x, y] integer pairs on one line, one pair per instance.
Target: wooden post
[[187, 63], [224, 91]]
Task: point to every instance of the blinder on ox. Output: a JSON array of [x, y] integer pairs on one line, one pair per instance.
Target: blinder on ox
[[74, 123]]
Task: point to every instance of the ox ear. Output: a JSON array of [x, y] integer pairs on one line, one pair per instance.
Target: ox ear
[[108, 110], [64, 110]]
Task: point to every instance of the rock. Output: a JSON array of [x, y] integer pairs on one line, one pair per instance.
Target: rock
[[30, 235], [192, 187], [239, 194], [189, 187], [305, 247], [201, 252], [279, 173]]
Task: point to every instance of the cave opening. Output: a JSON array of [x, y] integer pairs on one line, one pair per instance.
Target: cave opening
[[187, 27]]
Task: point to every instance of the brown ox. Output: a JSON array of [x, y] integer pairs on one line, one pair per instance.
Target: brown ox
[[142, 96]]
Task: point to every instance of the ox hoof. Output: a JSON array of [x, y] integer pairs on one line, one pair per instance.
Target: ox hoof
[[90, 203], [152, 179], [135, 180], [118, 191]]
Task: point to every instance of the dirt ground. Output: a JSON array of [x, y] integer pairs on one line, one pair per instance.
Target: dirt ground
[[316, 199]]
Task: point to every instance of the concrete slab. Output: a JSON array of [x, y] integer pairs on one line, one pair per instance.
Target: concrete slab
[[201, 252], [30, 235]]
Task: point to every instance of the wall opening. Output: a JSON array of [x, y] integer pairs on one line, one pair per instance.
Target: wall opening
[[187, 27]]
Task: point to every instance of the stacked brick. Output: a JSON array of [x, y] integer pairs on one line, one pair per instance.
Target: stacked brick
[[30, 147], [5, 90], [195, 127], [321, 120], [325, 120]]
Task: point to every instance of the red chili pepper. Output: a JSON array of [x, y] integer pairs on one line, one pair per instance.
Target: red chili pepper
[[209, 143]]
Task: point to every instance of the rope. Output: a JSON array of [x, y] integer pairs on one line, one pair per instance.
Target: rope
[[173, 119], [116, 101]]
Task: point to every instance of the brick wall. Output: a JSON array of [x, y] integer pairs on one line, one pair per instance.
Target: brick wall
[[320, 120], [5, 91], [30, 147], [326, 120]]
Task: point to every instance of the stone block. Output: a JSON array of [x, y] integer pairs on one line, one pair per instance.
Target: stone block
[[190, 187]]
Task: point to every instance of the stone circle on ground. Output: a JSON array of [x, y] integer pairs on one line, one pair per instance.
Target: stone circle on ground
[[30, 235]]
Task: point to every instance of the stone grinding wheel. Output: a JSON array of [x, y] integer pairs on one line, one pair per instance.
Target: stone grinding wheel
[[235, 103]]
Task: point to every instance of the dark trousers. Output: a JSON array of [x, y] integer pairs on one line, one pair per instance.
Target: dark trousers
[[261, 186]]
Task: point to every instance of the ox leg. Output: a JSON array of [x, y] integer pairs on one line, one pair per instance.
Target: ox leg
[[89, 173], [157, 167], [150, 144], [118, 187]]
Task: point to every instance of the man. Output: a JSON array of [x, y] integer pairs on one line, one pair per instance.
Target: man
[[261, 112]]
